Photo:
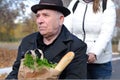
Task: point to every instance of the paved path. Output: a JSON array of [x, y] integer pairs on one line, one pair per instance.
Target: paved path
[[8, 45], [116, 67], [5, 70]]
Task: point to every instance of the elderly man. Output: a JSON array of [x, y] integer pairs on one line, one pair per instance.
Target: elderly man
[[54, 40]]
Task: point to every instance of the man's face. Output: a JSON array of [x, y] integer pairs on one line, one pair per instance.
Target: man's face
[[49, 22]]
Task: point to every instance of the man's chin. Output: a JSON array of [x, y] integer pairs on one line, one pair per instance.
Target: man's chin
[[43, 34]]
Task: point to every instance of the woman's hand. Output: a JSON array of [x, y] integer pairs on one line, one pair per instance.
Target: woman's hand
[[91, 57]]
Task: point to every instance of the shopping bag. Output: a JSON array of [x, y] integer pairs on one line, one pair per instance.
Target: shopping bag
[[44, 73]]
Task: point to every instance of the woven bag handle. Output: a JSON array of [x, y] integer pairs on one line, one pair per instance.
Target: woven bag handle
[[36, 52]]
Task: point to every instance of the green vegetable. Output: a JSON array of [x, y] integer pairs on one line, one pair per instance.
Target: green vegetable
[[44, 63], [28, 61], [36, 62]]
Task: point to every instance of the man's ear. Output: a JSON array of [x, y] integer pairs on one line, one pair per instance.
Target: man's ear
[[61, 19]]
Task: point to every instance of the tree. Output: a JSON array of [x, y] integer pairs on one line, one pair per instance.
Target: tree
[[9, 12], [30, 24]]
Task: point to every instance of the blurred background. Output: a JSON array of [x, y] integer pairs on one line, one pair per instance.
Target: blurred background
[[17, 21]]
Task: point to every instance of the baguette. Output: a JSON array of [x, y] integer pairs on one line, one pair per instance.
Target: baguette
[[65, 61]]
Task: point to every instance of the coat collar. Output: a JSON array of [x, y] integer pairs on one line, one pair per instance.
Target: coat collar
[[59, 46]]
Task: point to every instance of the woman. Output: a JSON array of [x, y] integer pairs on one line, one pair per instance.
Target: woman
[[94, 21]]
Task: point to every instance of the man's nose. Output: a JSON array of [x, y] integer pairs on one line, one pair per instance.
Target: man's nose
[[40, 20]]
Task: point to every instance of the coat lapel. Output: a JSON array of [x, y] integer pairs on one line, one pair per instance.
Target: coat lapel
[[53, 51], [60, 46]]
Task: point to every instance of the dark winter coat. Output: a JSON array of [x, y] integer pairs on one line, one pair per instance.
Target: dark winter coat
[[64, 43]]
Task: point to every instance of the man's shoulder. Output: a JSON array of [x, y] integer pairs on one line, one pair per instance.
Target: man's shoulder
[[77, 44], [30, 36], [77, 40], [72, 37]]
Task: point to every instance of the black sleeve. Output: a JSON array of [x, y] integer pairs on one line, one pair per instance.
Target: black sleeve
[[77, 69], [14, 73]]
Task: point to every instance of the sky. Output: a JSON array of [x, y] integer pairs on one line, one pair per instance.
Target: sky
[[29, 4]]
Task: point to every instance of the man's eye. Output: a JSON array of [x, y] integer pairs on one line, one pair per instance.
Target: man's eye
[[45, 15], [37, 15]]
